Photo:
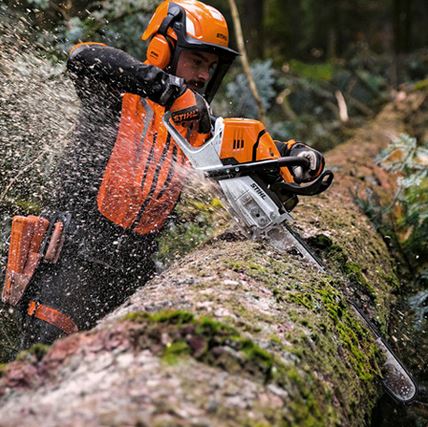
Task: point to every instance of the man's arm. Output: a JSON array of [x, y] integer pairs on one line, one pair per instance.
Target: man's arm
[[97, 69], [95, 65]]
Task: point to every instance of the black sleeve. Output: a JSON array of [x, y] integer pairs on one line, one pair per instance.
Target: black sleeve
[[93, 67]]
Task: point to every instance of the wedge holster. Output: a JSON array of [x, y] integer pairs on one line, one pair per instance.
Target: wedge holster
[[33, 239]]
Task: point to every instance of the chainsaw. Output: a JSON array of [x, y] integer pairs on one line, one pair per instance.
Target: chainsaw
[[263, 211]]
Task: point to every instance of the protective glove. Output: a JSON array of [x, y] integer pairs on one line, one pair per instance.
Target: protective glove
[[315, 158], [191, 109]]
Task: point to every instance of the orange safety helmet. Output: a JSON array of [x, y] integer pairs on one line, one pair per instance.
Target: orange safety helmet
[[189, 24]]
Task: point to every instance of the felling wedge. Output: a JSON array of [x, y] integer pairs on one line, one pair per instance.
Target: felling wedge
[[264, 211]]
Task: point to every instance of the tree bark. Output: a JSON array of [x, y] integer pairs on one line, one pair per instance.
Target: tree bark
[[252, 13], [235, 334], [244, 60]]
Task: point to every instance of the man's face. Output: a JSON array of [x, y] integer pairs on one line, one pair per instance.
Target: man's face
[[196, 68]]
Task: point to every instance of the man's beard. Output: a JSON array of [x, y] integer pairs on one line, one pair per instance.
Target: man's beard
[[197, 85]]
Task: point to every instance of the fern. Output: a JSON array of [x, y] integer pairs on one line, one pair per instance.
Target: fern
[[410, 161]]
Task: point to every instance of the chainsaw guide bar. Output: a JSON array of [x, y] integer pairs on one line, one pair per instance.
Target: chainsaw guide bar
[[264, 214]]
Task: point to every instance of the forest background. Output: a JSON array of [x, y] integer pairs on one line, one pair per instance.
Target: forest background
[[322, 68]]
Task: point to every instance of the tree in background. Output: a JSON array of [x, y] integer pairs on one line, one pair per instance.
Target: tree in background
[[332, 63]]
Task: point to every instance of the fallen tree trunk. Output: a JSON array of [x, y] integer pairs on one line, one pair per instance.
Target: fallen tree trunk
[[234, 334]]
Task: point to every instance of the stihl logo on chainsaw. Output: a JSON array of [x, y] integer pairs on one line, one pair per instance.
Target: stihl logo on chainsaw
[[258, 190], [184, 117]]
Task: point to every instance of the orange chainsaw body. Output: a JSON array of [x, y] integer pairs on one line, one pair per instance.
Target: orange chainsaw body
[[246, 140]]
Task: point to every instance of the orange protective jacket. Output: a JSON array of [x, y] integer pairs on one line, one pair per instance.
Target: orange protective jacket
[[144, 175]]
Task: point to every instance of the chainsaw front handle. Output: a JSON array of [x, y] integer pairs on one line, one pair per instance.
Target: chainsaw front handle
[[271, 165]]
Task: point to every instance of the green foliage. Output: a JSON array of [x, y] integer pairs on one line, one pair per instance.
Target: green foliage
[[264, 76], [405, 221], [410, 161], [318, 72], [114, 22], [40, 4]]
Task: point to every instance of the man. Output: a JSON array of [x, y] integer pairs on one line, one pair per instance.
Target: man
[[122, 175]]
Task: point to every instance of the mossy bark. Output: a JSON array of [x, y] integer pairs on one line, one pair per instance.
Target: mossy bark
[[234, 333]]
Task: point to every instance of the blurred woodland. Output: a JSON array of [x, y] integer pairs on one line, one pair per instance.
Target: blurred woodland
[[322, 68]]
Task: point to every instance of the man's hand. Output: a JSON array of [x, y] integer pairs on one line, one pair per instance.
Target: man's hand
[[189, 109], [315, 158]]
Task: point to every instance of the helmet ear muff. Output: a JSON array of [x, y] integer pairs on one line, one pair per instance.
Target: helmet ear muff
[[159, 51]]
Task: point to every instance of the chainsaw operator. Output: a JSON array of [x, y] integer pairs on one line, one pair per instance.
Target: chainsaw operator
[[122, 175]]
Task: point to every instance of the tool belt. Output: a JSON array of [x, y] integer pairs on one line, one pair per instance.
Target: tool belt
[[33, 240]]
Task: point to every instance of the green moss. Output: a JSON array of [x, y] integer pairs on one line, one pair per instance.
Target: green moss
[[197, 218], [347, 326], [322, 341], [421, 85], [337, 255], [321, 241], [321, 296], [174, 351], [198, 336], [137, 316], [176, 317], [392, 280], [275, 339], [221, 345], [302, 298], [3, 368], [235, 265], [254, 354], [256, 267], [36, 350], [356, 275], [269, 273], [209, 327]]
